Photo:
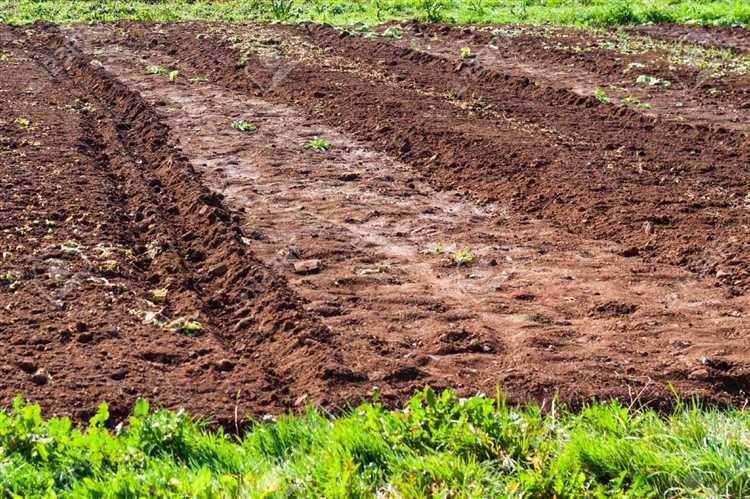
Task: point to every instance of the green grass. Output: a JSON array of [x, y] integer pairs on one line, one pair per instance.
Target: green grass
[[438, 446], [374, 11]]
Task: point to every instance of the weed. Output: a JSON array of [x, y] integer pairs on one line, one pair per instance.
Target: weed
[[317, 144], [281, 10], [431, 11], [244, 126], [602, 96], [198, 79], [465, 53], [111, 266], [434, 249], [520, 9], [185, 326], [653, 81], [637, 102], [173, 75], [24, 123], [157, 70], [241, 62], [159, 294], [464, 256], [391, 32], [9, 279]]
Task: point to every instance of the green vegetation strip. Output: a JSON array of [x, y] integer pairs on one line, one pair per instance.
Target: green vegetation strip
[[438, 445], [374, 11]]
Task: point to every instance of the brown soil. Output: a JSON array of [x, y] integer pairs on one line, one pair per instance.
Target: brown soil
[[734, 38], [609, 245]]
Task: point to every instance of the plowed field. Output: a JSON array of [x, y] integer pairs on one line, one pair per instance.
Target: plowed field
[[494, 206]]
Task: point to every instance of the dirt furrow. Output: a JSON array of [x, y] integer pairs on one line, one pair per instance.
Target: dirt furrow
[[556, 60], [735, 38], [529, 314]]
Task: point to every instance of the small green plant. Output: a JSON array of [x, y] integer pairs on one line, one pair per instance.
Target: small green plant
[[602, 96], [159, 294], [185, 326], [281, 10], [317, 144], [198, 79], [391, 32], [653, 81], [464, 256], [241, 62], [434, 249], [431, 11], [111, 265], [173, 75], [244, 126], [157, 70], [24, 123], [9, 279], [637, 102], [465, 53]]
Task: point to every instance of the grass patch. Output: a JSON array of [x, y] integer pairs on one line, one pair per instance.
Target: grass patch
[[438, 445], [604, 12]]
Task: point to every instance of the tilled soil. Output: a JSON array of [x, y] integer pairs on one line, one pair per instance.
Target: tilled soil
[[607, 243], [733, 38]]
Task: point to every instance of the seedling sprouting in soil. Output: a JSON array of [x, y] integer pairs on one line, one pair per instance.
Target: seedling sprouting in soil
[[434, 249], [9, 279], [465, 53], [185, 326], [173, 75], [464, 256], [413, 45], [244, 126], [602, 96], [157, 70], [158, 295], [317, 144], [198, 79], [242, 62], [111, 266], [653, 81], [637, 102], [392, 32], [24, 123]]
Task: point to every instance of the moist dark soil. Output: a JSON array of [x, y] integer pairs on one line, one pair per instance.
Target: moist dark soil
[[472, 224]]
